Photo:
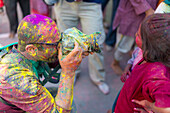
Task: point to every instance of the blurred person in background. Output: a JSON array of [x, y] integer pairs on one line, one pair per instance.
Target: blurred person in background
[[111, 35], [129, 15], [11, 10], [88, 12], [39, 7]]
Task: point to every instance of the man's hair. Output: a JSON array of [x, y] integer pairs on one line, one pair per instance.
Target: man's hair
[[155, 34]]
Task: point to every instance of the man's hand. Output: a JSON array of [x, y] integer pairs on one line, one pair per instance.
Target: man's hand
[[71, 62]]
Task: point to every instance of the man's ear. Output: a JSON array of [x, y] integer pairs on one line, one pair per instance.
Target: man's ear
[[31, 49]]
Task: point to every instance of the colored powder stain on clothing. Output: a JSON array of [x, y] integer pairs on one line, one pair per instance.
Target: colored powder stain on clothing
[[147, 81], [37, 108], [61, 110], [46, 51], [33, 37]]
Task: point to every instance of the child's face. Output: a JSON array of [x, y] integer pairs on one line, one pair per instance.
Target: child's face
[[138, 38]]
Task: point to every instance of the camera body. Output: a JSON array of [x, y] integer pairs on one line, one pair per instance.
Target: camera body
[[89, 43]]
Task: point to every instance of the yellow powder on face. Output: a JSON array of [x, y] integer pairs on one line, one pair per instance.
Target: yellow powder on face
[[49, 41]]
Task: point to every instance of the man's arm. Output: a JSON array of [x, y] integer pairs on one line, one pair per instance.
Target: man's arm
[[69, 65], [30, 96]]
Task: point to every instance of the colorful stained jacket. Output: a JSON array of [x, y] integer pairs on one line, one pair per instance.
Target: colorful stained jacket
[[20, 86]]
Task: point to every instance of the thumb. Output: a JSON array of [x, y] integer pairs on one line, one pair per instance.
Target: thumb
[[137, 102], [140, 110], [60, 52]]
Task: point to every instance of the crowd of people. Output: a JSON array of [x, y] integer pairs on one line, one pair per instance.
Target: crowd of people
[[144, 27]]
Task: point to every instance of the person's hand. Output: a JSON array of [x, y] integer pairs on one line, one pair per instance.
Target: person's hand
[[124, 77], [149, 12], [71, 62], [126, 73], [146, 104], [84, 54]]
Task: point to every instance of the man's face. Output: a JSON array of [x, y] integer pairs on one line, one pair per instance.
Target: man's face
[[48, 53]]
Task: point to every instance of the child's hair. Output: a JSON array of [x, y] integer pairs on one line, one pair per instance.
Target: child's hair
[[155, 34]]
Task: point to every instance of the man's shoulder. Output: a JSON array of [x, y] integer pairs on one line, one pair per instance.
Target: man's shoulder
[[23, 80], [18, 72]]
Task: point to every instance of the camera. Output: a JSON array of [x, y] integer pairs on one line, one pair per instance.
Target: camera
[[89, 43]]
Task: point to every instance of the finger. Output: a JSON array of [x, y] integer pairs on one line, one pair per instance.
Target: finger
[[79, 55], [129, 73], [137, 102], [122, 80], [75, 51], [142, 102], [91, 53], [85, 53], [76, 59], [141, 110], [60, 53], [83, 56], [76, 45], [136, 111]]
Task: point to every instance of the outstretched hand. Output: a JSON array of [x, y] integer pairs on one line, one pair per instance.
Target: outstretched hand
[[71, 62]]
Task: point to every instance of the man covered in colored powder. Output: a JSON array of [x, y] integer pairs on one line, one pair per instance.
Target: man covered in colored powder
[[20, 88]]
